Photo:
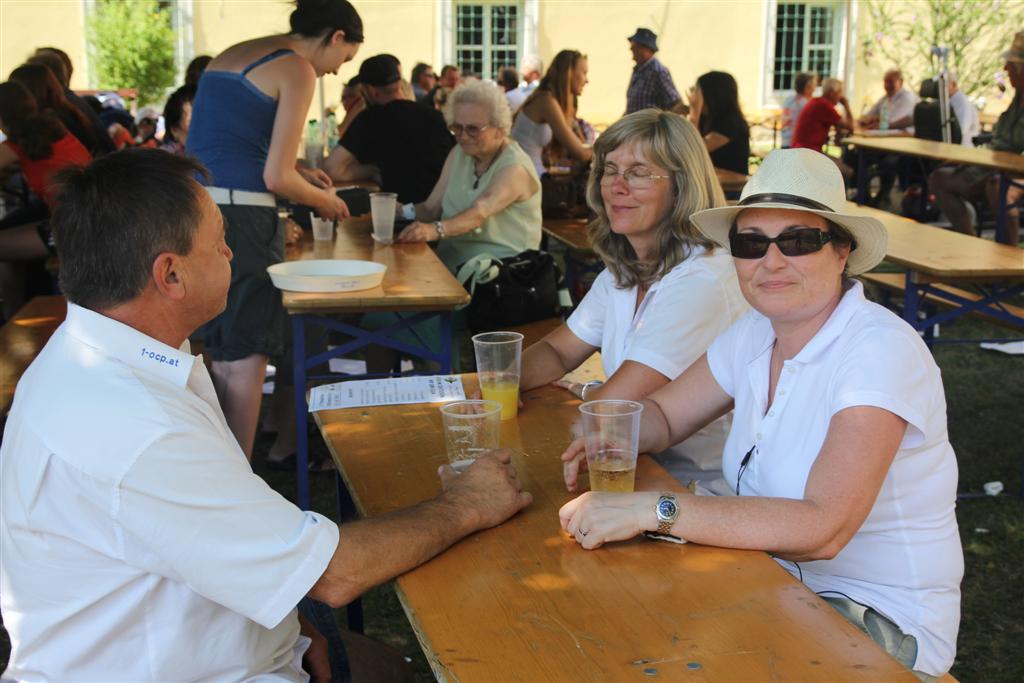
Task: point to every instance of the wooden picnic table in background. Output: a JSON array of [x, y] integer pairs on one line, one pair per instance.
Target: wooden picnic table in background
[[940, 151], [23, 337], [524, 602], [415, 279]]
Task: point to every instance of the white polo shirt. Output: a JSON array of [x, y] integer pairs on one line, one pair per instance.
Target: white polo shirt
[[138, 545], [905, 561], [679, 317], [901, 105], [966, 116]]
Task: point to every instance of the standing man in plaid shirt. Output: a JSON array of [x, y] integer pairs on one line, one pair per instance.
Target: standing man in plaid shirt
[[651, 84]]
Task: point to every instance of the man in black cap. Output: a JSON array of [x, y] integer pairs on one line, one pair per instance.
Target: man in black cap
[[395, 141], [651, 84]]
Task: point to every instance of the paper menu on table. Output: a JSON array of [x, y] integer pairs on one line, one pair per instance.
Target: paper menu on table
[[390, 391]]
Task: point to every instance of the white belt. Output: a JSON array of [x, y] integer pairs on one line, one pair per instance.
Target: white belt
[[223, 195]]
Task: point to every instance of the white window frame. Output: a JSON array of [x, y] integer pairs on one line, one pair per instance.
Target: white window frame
[[840, 42], [445, 23]]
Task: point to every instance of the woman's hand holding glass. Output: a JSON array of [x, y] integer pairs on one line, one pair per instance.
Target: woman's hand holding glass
[[331, 207]]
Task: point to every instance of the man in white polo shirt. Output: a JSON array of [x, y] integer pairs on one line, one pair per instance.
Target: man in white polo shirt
[[138, 545]]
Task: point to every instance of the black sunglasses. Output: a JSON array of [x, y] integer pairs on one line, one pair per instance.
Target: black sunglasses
[[799, 242]]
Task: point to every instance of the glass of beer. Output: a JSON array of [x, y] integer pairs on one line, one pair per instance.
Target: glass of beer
[[611, 434], [471, 428], [498, 359]]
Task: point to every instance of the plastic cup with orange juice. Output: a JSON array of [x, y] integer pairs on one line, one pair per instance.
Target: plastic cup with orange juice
[[498, 359]]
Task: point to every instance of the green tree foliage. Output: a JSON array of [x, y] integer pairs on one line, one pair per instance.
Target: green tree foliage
[[975, 31], [131, 42]]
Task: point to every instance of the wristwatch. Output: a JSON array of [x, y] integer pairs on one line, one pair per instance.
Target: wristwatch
[[667, 512], [587, 386], [439, 226]]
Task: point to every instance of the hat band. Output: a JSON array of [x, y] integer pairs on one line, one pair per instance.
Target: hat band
[[782, 198]]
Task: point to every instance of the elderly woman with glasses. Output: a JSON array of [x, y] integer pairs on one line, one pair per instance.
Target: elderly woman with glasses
[[487, 199], [838, 450], [666, 292]]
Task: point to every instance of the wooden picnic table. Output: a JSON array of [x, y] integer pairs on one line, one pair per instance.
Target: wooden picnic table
[[1008, 165], [416, 284], [415, 280], [944, 255], [940, 151], [23, 337], [524, 602], [731, 181], [933, 259]]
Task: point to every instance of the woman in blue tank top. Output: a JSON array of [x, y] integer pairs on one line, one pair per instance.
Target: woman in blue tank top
[[247, 121]]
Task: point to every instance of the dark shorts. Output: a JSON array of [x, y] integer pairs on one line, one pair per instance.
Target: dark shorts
[[253, 321]]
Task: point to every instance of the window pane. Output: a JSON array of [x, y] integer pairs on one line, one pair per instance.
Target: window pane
[[805, 40], [487, 37]]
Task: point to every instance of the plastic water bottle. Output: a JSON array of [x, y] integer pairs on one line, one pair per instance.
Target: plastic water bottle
[[332, 131], [883, 118], [314, 145]]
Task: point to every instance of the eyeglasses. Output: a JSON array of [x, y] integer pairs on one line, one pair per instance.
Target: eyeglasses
[[636, 178], [472, 130], [798, 242]]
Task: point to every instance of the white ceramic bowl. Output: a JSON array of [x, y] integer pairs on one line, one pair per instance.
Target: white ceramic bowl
[[326, 275]]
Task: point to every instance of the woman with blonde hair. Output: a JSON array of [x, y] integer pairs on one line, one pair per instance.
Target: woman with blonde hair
[[547, 118], [666, 292]]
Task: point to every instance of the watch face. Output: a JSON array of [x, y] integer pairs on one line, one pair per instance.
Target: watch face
[[666, 508]]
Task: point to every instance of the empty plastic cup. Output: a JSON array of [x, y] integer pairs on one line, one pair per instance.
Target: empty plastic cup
[[382, 210]]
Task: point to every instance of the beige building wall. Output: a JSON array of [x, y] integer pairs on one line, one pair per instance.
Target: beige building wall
[[28, 24], [693, 37], [402, 28]]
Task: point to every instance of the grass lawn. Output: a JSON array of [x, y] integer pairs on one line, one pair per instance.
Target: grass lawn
[[985, 396]]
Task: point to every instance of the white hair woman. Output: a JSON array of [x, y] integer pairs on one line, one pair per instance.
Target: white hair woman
[[487, 200], [666, 292], [838, 450]]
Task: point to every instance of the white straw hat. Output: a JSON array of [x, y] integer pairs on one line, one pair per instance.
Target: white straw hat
[[801, 180]]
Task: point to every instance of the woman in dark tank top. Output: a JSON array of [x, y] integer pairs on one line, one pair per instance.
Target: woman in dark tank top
[[247, 121]]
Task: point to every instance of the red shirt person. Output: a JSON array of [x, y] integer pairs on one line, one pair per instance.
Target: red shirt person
[[820, 115]]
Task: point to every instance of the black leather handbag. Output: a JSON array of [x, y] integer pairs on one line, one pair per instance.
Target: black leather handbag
[[512, 291]]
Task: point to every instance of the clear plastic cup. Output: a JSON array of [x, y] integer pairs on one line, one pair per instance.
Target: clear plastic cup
[[323, 230], [611, 434], [471, 429], [382, 210], [498, 361]]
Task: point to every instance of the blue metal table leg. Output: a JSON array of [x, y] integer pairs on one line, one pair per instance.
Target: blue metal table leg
[[911, 302], [301, 435], [445, 322], [1003, 210]]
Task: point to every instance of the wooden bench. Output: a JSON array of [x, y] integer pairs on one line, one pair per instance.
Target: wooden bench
[[23, 337], [537, 330], [896, 282]]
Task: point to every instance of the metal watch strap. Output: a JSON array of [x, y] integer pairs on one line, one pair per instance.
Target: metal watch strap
[[665, 525], [439, 226]]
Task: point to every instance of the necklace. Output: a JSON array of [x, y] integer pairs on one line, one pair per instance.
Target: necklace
[[478, 176]]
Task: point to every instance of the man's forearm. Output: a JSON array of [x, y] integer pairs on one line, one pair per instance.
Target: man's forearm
[[375, 550]]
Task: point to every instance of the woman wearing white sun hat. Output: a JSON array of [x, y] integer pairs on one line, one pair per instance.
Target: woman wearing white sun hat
[[838, 449]]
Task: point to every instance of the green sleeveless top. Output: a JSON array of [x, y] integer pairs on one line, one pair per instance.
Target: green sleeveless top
[[504, 234]]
